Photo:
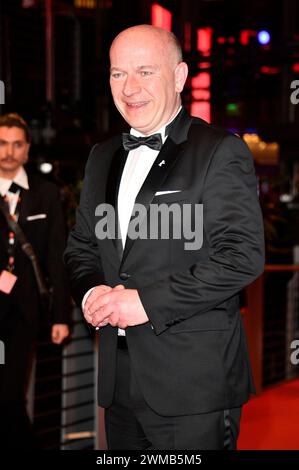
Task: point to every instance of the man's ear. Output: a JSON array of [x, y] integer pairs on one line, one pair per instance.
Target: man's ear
[[181, 74], [27, 153]]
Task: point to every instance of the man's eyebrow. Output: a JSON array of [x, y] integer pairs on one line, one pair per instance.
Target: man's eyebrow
[[141, 67], [19, 141], [113, 69]]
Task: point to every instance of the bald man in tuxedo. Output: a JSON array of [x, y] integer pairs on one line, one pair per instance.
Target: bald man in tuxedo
[[173, 364]]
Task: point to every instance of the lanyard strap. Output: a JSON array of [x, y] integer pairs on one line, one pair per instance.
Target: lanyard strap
[[11, 236], [27, 249]]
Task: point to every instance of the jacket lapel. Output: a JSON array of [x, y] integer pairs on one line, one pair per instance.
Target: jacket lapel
[[113, 181], [28, 198], [26, 203], [3, 230], [165, 161]]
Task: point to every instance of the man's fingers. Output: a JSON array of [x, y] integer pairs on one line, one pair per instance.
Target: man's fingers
[[95, 293], [87, 316], [100, 302], [101, 315], [102, 324]]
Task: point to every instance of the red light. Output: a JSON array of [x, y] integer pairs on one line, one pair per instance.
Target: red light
[[295, 67], [187, 37], [245, 36], [266, 69], [201, 109], [204, 40], [161, 17], [202, 80], [204, 65], [201, 95], [221, 40]]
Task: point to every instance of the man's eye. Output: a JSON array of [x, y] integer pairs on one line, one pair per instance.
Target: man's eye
[[145, 73], [116, 75]]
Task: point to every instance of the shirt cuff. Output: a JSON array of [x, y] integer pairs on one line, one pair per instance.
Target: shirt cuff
[[85, 297]]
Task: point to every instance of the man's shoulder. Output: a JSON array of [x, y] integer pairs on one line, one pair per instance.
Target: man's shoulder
[[40, 184], [203, 128]]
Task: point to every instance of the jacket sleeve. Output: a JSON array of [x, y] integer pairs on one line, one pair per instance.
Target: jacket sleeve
[[233, 229], [82, 256]]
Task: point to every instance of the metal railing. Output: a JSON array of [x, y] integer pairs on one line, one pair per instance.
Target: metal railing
[[61, 394], [272, 323]]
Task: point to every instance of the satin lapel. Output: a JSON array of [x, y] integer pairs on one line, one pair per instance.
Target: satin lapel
[[3, 230], [27, 201], [113, 182], [164, 163]]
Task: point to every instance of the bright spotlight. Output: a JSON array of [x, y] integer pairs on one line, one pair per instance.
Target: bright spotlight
[[263, 37], [46, 167]]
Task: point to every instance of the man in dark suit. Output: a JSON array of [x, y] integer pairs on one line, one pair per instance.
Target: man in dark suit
[[35, 203], [173, 364]]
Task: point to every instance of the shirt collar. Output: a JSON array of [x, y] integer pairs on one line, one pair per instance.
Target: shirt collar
[[21, 179], [160, 131]]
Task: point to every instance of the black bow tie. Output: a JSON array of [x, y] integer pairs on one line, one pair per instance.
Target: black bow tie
[[130, 142], [14, 187]]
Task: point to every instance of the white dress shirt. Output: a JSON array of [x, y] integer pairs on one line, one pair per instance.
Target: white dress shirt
[[12, 198], [137, 167]]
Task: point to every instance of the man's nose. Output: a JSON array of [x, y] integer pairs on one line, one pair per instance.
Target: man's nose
[[131, 86], [9, 150]]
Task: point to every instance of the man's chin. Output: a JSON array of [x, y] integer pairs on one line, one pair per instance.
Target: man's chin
[[8, 168]]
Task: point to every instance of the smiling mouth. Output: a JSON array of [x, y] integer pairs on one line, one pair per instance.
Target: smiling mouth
[[137, 105]]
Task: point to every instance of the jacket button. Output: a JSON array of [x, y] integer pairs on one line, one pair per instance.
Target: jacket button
[[124, 276]]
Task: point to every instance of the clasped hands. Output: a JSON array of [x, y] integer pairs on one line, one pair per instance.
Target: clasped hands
[[115, 306]]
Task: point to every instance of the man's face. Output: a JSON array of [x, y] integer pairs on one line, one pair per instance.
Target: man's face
[[13, 150], [145, 80]]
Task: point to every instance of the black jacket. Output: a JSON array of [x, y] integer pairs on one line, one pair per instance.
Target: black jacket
[[47, 235], [191, 357]]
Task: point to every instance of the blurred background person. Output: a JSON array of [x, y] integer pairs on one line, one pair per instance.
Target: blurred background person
[[35, 204]]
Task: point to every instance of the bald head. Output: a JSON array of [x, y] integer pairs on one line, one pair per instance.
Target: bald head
[[147, 76], [146, 33]]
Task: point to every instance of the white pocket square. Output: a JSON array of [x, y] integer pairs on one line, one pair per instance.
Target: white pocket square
[[36, 217], [160, 193]]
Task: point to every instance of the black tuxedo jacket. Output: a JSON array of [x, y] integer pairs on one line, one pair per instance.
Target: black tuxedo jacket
[[42, 221], [191, 357]]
